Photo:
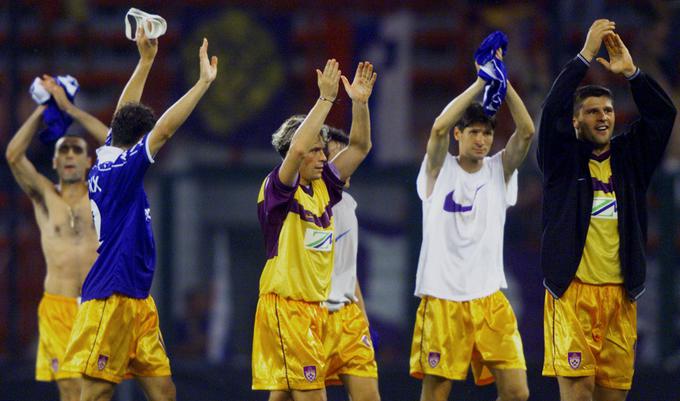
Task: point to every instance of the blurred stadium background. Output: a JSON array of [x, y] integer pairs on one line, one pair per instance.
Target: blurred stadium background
[[204, 187]]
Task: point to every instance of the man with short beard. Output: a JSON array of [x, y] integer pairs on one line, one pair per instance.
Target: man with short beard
[[595, 219], [67, 235]]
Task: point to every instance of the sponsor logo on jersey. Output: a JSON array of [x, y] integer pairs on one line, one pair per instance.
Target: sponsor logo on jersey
[[604, 208], [319, 240], [450, 205]]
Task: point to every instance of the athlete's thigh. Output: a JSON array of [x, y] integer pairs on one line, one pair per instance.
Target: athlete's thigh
[[609, 394], [576, 388], [96, 390], [435, 388], [159, 388], [511, 383], [361, 388], [309, 395], [69, 389], [279, 396]]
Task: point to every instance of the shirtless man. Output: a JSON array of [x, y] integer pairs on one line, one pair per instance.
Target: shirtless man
[[64, 217]]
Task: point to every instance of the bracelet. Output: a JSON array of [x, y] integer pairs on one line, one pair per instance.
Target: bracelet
[[326, 99]]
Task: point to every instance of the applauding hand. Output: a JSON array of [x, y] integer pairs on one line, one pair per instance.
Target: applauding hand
[[362, 86], [620, 61]]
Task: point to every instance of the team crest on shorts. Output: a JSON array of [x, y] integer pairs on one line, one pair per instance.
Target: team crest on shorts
[[310, 373], [55, 365], [433, 359], [366, 341], [101, 362], [574, 359]]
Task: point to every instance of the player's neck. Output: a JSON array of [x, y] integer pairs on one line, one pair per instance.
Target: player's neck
[[470, 165], [602, 149], [72, 190]]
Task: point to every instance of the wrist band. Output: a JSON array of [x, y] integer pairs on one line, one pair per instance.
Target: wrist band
[[326, 99]]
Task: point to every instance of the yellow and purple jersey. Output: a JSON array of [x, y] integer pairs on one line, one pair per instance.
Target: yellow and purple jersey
[[600, 261], [297, 223]]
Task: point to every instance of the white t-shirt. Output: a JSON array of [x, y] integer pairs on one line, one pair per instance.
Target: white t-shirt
[[461, 257], [344, 277]]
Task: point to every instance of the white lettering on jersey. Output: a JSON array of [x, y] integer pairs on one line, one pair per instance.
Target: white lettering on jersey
[[93, 184]]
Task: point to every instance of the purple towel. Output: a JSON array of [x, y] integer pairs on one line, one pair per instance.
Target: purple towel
[[492, 71]]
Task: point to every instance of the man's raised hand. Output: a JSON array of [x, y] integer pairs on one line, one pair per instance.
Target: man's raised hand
[[57, 91], [620, 61], [208, 65], [362, 86], [596, 33], [328, 80], [147, 47]]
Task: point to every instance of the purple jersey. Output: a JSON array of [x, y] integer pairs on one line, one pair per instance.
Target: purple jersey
[[122, 218]]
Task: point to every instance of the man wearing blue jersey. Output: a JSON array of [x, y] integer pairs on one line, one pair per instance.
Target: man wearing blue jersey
[[116, 333]]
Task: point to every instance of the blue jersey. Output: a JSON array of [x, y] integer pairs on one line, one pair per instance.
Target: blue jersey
[[122, 218]]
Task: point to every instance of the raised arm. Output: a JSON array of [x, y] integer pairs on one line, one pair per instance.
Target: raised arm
[[307, 133], [147, 52], [518, 145], [31, 182], [360, 133], [175, 116], [438, 144], [555, 128], [651, 132], [91, 123]]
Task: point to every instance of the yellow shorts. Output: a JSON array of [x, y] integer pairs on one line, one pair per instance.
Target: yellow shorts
[[449, 337], [591, 331], [115, 338], [56, 314], [348, 346], [288, 351]]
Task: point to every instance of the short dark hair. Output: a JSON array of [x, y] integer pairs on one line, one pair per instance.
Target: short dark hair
[[338, 135], [130, 123], [584, 92], [283, 136], [474, 114]]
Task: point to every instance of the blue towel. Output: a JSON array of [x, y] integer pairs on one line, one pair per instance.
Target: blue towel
[[56, 120], [492, 71]]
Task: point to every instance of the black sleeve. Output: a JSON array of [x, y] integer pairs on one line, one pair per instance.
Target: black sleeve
[[556, 137], [648, 136]]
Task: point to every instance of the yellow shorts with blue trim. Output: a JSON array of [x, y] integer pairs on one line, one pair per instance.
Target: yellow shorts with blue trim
[[591, 331], [450, 337], [56, 314], [115, 338], [288, 351], [349, 350]]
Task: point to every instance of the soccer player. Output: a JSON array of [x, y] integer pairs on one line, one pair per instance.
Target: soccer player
[[116, 333], [350, 357], [69, 241], [347, 341], [595, 219], [294, 209], [463, 318]]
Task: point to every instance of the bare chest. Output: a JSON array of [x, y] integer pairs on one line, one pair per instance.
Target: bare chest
[[62, 220]]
